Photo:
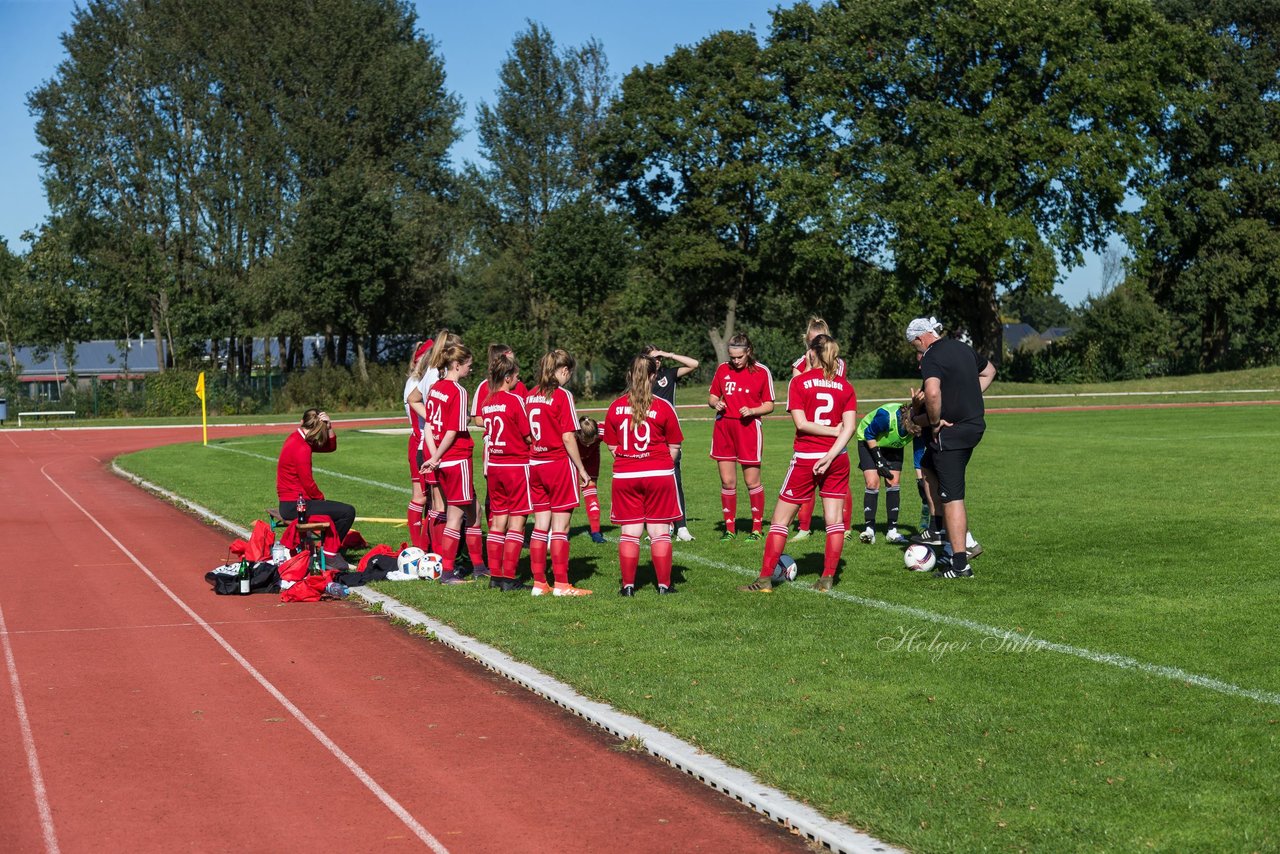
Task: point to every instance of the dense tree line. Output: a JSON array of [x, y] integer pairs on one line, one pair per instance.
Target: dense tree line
[[235, 170]]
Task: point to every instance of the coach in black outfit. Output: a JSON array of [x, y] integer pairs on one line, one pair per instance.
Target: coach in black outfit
[[955, 376], [664, 386]]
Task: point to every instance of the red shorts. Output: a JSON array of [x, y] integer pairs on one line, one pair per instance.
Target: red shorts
[[454, 479], [414, 474], [554, 486], [644, 497], [509, 493], [800, 482], [737, 441]]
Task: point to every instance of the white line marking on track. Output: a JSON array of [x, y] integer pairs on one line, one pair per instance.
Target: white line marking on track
[[351, 765], [193, 625], [29, 743], [1122, 661]]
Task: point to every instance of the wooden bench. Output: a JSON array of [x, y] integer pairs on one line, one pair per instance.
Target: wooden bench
[[62, 412]]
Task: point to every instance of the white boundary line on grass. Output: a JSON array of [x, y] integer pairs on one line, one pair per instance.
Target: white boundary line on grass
[[365, 481], [681, 755], [1122, 661]]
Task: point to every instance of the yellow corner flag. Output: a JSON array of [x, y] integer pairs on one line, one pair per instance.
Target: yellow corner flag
[[204, 416]]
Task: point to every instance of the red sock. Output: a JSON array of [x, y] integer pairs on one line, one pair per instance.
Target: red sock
[[773, 546], [475, 545], [435, 524], [660, 550], [593, 508], [560, 558], [848, 509], [757, 508], [729, 504], [628, 557], [414, 517], [493, 552], [835, 544], [449, 542], [511, 553], [806, 515], [538, 556]]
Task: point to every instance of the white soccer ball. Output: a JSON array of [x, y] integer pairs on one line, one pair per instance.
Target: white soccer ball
[[409, 560], [785, 569], [431, 566], [919, 558]]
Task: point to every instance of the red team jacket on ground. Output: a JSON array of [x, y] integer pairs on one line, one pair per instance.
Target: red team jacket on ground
[[293, 470], [447, 410]]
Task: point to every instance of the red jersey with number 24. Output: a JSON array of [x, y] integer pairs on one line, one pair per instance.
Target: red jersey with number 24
[[447, 410], [824, 402]]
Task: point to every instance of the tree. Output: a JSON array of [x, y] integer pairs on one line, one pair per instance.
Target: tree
[[1209, 242], [988, 140]]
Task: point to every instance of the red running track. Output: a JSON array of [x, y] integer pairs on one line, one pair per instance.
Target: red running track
[[143, 713]]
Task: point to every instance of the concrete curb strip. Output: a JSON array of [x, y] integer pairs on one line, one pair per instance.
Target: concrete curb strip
[[703, 767]]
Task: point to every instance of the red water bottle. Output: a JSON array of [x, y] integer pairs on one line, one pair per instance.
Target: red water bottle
[[302, 507]]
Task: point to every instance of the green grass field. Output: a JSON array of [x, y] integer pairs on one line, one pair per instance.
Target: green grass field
[[1138, 541]]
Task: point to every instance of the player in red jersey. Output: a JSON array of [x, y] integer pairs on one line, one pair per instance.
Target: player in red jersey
[[451, 445], [295, 481], [477, 400], [555, 473], [741, 392], [817, 326], [419, 534], [643, 434], [507, 438], [434, 514], [823, 406], [588, 438]]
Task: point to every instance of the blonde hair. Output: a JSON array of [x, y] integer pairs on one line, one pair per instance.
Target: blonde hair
[[435, 356], [501, 368], [817, 326], [418, 366], [640, 387], [315, 429], [547, 367], [454, 353], [824, 353]]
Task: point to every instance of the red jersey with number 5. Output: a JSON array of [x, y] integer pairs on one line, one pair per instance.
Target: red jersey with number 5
[[447, 410], [645, 447], [748, 387], [824, 401], [506, 425], [550, 417]]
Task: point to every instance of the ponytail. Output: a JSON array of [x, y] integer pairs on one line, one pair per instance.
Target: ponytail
[[817, 326], [502, 368], [314, 428], [640, 387], [435, 357], [547, 367], [824, 353], [455, 353]]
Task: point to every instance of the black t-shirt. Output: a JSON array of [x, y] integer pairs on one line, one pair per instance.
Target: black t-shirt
[[664, 384], [956, 366]]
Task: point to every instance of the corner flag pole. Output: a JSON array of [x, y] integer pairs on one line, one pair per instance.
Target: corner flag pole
[[204, 415]]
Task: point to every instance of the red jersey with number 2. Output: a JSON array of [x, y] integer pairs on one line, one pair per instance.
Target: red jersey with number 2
[[645, 447], [447, 410], [824, 402]]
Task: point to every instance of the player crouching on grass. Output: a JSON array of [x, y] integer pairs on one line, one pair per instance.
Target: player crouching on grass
[[823, 406], [588, 437], [643, 434], [882, 435], [507, 439]]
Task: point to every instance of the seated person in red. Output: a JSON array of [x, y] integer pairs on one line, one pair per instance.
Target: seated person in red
[[294, 478]]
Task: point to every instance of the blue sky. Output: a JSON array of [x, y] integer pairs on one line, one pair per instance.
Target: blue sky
[[473, 38]]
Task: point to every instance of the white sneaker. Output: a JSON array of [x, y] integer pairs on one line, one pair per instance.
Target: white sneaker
[[894, 537], [867, 536], [800, 535], [682, 533]]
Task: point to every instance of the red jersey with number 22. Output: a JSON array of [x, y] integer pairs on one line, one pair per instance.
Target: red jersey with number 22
[[824, 402], [505, 426]]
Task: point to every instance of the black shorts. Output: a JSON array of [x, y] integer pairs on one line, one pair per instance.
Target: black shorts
[[892, 456], [949, 466]]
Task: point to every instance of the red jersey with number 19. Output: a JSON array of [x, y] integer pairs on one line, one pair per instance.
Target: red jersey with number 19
[[550, 417], [824, 401], [506, 424], [643, 448], [447, 410]]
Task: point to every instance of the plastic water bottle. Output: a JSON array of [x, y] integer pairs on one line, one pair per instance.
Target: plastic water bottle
[[244, 577]]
